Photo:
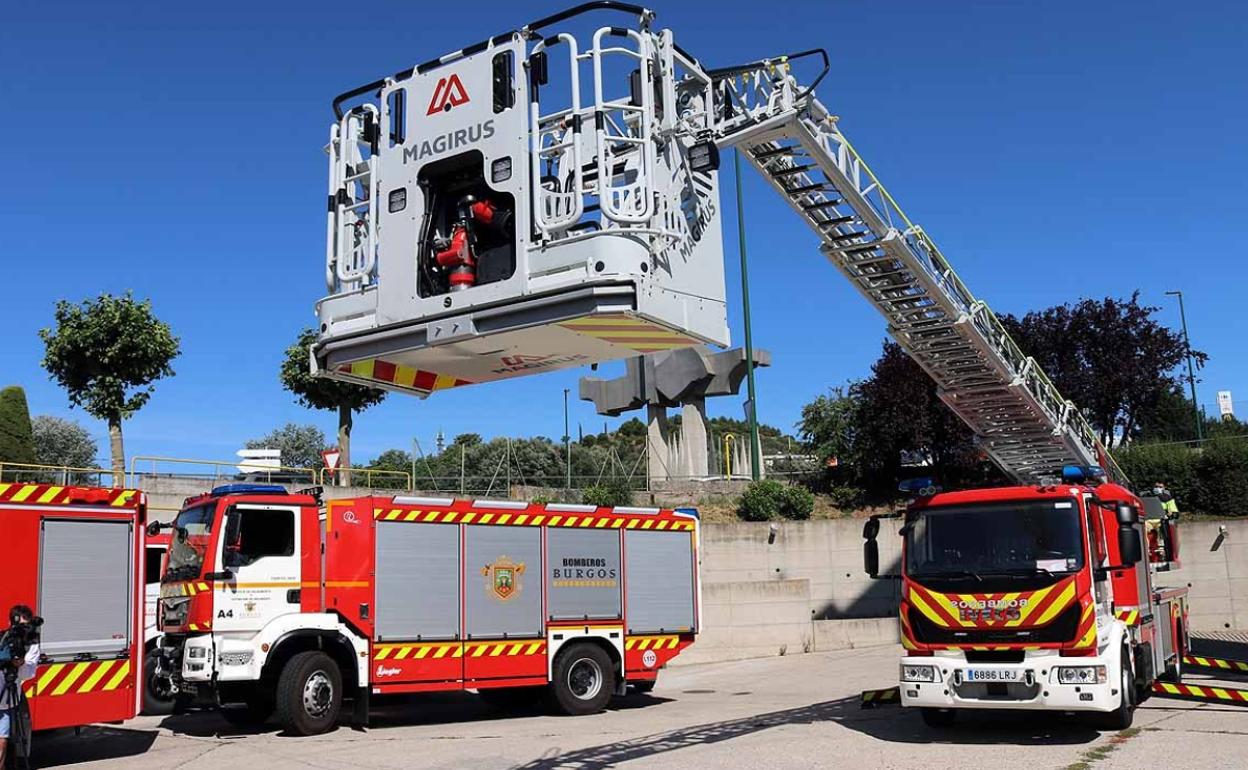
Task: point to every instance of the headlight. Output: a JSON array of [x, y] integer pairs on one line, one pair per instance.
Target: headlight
[[918, 673], [196, 652], [1081, 674]]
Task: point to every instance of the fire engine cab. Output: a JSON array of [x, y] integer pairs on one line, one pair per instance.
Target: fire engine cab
[[1035, 597], [275, 604]]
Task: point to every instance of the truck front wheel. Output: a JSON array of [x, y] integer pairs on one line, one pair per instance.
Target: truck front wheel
[[1122, 717], [584, 680], [309, 694]]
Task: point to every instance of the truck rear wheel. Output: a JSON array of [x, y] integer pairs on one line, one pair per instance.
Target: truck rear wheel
[[309, 694], [584, 680]]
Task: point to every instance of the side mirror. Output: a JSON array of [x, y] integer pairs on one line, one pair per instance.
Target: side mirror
[[1129, 549], [871, 557], [1127, 515], [871, 528], [224, 574], [153, 529]]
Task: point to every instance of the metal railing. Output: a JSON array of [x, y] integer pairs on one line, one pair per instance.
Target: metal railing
[[221, 470], [65, 475]]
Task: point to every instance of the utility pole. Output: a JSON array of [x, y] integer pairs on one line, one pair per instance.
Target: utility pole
[[567, 441], [755, 454], [1191, 370]]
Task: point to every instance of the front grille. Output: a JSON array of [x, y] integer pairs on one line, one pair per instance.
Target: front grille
[[1060, 629], [995, 656]]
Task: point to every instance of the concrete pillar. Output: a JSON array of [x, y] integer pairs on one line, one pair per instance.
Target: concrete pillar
[[693, 437], [656, 442]]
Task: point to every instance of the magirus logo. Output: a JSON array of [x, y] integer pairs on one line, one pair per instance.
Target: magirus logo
[[522, 362], [448, 93], [451, 140]]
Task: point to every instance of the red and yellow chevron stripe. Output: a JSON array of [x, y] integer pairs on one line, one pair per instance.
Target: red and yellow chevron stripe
[[58, 679], [1035, 608], [192, 588], [1202, 692], [50, 494], [664, 642], [1217, 664], [587, 520], [380, 370], [628, 331], [1085, 632], [1130, 617], [459, 650]]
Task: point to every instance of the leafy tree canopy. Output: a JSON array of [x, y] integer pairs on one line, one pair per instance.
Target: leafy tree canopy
[[320, 392], [63, 442], [16, 442]]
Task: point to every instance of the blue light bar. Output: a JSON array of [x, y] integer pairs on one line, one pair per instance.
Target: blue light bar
[[1083, 474], [249, 489], [688, 512]]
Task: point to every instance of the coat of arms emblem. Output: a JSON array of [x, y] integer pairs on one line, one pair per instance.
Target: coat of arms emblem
[[502, 578]]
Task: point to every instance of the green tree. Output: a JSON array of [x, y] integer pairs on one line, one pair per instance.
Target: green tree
[[16, 442], [1111, 357], [828, 425], [313, 392], [301, 445], [65, 443], [106, 353]]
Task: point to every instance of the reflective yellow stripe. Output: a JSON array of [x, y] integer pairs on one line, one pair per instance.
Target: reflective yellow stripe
[[1218, 691], [632, 523], [497, 650], [24, 492], [585, 522], [522, 518], [468, 517], [51, 494], [118, 677], [442, 651], [537, 521], [1060, 603], [48, 676], [70, 678], [503, 519], [486, 518], [96, 676], [478, 650], [602, 523]]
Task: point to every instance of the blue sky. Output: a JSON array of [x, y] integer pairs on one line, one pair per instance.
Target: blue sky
[[1054, 150]]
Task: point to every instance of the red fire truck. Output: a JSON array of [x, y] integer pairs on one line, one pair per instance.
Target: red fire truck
[[1035, 597], [271, 602], [76, 556]]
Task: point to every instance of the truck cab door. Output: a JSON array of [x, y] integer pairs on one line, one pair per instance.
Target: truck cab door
[[260, 550]]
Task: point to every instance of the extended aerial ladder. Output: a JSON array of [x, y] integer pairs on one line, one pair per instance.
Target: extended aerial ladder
[[522, 234], [1017, 414]]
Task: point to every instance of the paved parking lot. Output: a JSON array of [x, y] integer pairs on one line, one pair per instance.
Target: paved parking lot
[[796, 711]]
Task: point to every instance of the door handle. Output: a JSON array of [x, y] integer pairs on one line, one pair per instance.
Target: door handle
[[294, 596]]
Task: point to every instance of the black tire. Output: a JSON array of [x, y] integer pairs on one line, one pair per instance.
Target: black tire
[[511, 698], [644, 686], [940, 718], [157, 689], [1122, 717], [309, 694], [584, 680], [256, 711]]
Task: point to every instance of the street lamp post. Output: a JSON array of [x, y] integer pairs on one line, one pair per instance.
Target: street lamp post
[[1191, 370], [756, 464], [567, 441]]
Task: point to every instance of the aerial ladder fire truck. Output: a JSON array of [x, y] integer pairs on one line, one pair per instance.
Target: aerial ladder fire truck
[[548, 198]]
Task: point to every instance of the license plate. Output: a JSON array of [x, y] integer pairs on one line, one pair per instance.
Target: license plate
[[993, 675]]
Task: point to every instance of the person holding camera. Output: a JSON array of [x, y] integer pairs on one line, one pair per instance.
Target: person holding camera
[[17, 671]]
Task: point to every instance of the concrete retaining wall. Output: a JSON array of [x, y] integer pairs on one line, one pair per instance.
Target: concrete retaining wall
[[792, 587]]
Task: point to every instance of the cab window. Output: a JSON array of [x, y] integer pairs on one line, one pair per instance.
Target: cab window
[[261, 533]]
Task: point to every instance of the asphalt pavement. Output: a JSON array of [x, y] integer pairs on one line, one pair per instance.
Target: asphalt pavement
[[799, 711]]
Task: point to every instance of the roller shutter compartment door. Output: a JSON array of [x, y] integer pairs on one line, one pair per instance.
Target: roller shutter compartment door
[[417, 581], [658, 581], [503, 582], [583, 576], [85, 591]]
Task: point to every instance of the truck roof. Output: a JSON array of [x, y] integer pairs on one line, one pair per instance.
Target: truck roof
[[1113, 492]]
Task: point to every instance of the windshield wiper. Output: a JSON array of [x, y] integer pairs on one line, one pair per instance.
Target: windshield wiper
[[957, 573], [1021, 572]]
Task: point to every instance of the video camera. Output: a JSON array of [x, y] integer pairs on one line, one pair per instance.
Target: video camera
[[16, 640]]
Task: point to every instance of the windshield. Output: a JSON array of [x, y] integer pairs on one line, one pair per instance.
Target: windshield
[[1025, 538], [192, 530]]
